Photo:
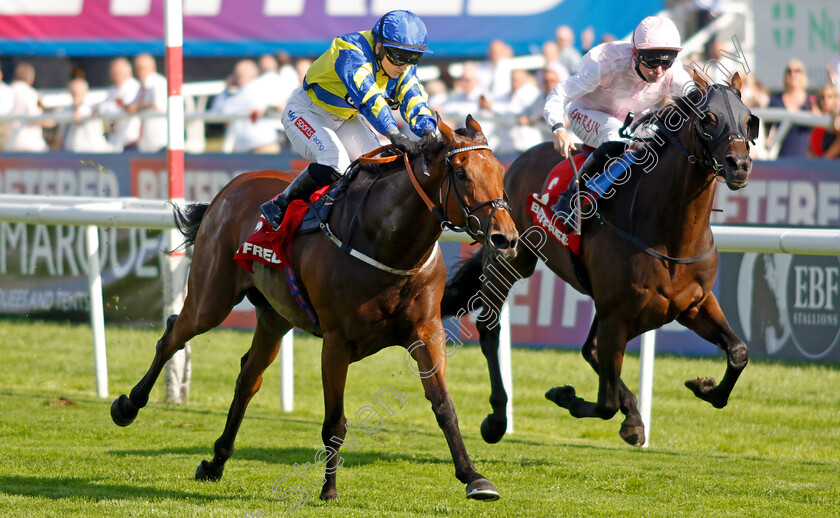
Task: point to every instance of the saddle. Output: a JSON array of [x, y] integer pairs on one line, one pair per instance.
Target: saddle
[[274, 249], [539, 204]]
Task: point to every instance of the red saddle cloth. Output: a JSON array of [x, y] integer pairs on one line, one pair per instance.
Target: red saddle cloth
[[274, 248], [539, 204]]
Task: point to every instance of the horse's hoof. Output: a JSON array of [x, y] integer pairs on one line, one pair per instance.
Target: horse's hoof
[[561, 396], [704, 388], [493, 429], [330, 494], [206, 471], [123, 412], [482, 489], [633, 435]]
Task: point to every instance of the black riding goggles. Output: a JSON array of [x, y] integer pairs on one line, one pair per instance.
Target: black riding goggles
[[400, 57], [652, 58], [656, 62]]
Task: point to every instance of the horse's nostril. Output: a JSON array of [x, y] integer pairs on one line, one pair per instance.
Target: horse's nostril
[[731, 161], [500, 242]]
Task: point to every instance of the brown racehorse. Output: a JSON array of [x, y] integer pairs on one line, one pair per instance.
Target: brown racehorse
[[362, 308], [665, 208]]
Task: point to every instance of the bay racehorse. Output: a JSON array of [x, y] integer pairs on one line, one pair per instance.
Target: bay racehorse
[[647, 259], [398, 212]]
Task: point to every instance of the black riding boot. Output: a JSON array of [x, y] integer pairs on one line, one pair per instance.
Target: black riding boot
[[593, 166], [300, 189]]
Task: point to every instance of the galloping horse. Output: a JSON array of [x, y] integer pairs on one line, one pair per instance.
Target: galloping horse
[[362, 308], [654, 262]]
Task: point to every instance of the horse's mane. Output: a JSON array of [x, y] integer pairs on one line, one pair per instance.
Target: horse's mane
[[684, 103], [428, 147]]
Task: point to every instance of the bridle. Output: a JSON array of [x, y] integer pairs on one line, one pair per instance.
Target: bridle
[[468, 212], [476, 231], [707, 142], [445, 223]]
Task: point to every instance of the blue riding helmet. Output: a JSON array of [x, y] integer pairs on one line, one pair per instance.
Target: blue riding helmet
[[402, 30]]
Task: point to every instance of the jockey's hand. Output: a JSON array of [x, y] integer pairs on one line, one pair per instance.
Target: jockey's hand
[[429, 137], [563, 142], [402, 142]]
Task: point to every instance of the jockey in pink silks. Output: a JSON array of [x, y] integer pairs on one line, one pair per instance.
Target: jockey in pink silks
[[612, 80]]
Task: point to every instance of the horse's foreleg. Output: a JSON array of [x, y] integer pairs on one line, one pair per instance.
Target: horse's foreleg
[[192, 321], [264, 346], [609, 357], [335, 358], [707, 320], [498, 278], [429, 353], [632, 429]]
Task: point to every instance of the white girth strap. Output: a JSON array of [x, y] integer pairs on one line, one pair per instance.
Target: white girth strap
[[376, 264]]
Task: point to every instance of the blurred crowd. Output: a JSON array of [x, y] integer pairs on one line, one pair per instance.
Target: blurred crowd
[[503, 93]]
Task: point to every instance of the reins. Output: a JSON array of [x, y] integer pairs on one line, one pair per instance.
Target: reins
[[372, 158]]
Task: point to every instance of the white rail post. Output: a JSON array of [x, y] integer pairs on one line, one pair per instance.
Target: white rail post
[[97, 310], [179, 368], [287, 371], [505, 365], [646, 380]]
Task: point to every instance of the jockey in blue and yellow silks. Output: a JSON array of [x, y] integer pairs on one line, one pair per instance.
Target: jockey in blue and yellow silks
[[368, 73]]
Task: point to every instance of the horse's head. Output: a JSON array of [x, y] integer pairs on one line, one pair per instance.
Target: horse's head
[[724, 128], [473, 197]]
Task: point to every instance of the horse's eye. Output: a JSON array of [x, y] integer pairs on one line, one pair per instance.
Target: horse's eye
[[710, 120], [461, 174]]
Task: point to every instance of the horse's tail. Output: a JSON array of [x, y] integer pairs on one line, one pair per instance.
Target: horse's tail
[[188, 219], [463, 286]]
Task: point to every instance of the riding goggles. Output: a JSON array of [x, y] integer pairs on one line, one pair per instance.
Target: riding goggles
[[652, 58], [656, 62], [400, 57]]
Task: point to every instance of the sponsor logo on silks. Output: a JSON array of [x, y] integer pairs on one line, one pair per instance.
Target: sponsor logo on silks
[[292, 116], [547, 222], [349, 101], [585, 122], [266, 254], [304, 127]]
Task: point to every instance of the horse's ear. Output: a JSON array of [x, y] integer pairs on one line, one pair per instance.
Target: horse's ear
[[736, 83], [445, 130], [473, 125], [700, 82]]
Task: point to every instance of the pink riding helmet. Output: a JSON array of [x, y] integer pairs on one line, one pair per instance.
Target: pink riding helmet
[[656, 32]]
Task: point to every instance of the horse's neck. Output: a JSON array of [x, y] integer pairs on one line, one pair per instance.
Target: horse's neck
[[673, 205], [395, 225]]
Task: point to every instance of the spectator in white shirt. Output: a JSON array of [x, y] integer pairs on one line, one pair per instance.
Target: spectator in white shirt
[[494, 73], [83, 135], [569, 56], [26, 136], [126, 132], [524, 93], [151, 98], [7, 102], [255, 134], [466, 96]]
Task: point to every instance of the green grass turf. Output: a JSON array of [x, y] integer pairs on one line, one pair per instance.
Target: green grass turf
[[774, 451]]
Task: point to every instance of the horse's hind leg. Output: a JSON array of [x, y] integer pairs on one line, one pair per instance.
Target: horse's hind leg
[[632, 429], [203, 310], [498, 278], [611, 340], [707, 320], [264, 346]]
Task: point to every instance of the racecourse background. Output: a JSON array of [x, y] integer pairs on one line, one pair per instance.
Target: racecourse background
[[785, 306]]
